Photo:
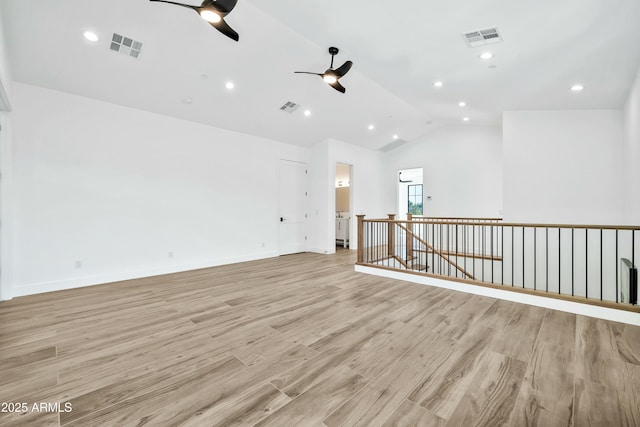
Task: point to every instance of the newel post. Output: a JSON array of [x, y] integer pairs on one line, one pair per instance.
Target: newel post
[[409, 236], [360, 238], [391, 235]]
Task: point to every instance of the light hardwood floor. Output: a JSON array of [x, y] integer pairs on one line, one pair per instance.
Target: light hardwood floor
[[303, 340]]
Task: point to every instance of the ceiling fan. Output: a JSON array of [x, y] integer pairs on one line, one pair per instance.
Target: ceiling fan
[[331, 76], [213, 11], [403, 180]]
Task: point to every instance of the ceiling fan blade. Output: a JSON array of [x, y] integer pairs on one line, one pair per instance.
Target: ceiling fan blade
[[188, 6], [343, 69], [225, 29], [307, 72], [224, 6], [337, 86]]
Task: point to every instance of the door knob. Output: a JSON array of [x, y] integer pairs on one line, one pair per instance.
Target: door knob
[[281, 219]]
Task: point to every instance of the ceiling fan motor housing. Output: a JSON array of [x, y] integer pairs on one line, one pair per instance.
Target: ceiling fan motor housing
[[224, 6]]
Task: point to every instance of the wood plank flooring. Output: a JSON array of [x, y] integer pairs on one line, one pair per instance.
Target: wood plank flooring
[[303, 340]]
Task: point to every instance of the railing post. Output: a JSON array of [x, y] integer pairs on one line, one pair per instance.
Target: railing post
[[391, 235], [360, 238], [409, 236]]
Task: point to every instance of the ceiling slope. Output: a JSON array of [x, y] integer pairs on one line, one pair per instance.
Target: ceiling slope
[[398, 53]]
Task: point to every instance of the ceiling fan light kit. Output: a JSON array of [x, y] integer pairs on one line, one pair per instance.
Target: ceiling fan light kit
[[210, 16], [330, 78]]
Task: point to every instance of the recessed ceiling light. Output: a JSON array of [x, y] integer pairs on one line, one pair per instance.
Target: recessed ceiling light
[[91, 36], [438, 84], [462, 104], [486, 55], [307, 113], [395, 137], [371, 127], [229, 85], [577, 88], [466, 119]]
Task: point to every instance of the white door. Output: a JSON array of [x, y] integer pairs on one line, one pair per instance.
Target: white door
[[293, 207]]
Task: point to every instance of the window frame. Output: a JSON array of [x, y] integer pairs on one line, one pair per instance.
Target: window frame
[[411, 199]]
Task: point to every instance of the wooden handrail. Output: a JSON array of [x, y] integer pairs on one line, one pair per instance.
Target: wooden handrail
[[402, 262], [519, 225], [418, 217], [473, 255], [438, 252]]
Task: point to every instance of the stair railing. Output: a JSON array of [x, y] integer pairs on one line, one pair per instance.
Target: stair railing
[[567, 261]]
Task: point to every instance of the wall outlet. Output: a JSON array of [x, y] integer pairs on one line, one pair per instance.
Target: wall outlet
[[78, 264], [170, 254], [263, 244]]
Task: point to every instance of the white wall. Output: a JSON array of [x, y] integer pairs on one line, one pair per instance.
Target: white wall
[[6, 207], [5, 70], [632, 154], [5, 170], [563, 166], [319, 176], [366, 190], [118, 189], [462, 171]]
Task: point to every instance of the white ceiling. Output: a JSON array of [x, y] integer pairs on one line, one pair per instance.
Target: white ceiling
[[398, 48]]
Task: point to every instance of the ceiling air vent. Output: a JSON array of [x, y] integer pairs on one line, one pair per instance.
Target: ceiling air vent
[[483, 37], [290, 107], [392, 145], [125, 45]]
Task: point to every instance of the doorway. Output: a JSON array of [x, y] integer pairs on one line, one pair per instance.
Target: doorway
[[410, 192], [3, 293], [292, 215], [343, 205]]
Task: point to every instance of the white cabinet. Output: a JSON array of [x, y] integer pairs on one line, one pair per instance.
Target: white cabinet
[[342, 231]]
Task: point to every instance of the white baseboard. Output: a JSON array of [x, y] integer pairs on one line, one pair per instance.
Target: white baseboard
[[100, 279], [552, 303], [319, 251]]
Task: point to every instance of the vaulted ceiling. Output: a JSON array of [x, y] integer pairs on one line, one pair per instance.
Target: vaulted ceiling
[[399, 50]]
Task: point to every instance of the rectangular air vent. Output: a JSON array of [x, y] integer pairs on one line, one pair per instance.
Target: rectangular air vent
[[125, 45], [392, 145], [290, 107], [483, 37]]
